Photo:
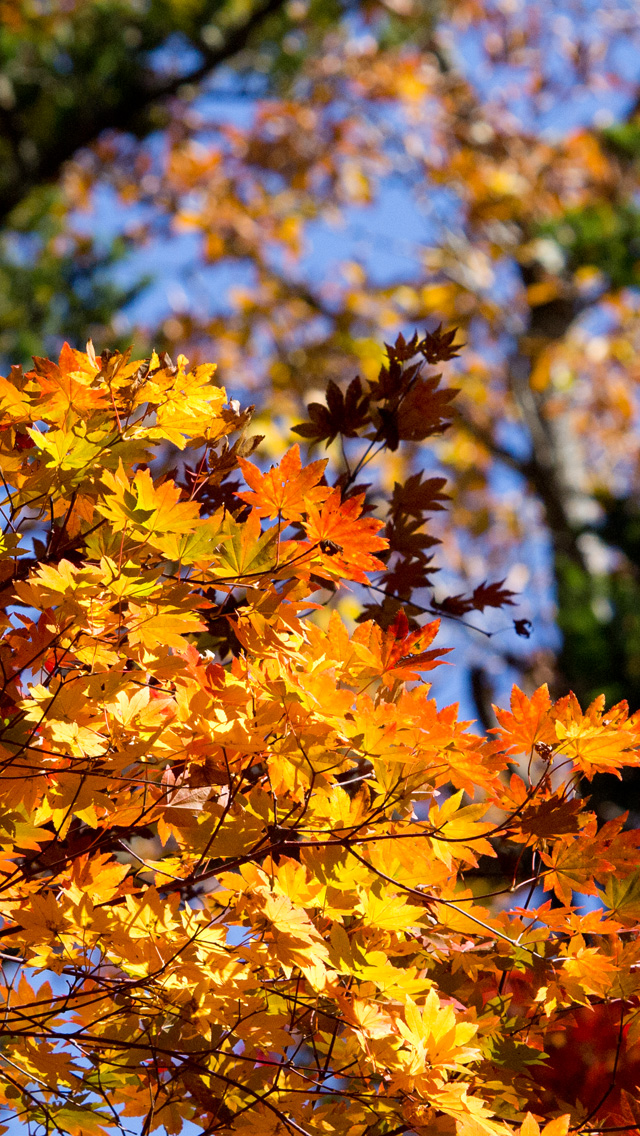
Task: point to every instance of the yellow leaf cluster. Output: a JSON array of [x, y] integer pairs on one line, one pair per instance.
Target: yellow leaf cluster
[[245, 846]]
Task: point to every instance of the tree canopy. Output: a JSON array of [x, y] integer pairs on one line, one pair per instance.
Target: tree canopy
[[252, 877], [255, 877], [524, 234]]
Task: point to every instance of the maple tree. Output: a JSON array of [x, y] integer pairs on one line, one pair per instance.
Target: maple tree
[[345, 103], [252, 877], [533, 253], [532, 249], [344, 107]]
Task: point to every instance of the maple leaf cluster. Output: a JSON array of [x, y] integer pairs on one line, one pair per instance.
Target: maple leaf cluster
[[402, 404], [244, 854]]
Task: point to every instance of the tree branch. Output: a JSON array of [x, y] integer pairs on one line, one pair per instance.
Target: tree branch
[[129, 113]]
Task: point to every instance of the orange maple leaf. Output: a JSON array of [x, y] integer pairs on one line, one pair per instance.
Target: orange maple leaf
[[67, 386], [406, 652], [397, 653], [529, 722], [343, 538], [286, 490]]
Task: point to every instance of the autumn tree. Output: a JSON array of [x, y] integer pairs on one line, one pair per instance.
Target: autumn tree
[[253, 877], [81, 76], [342, 107], [530, 247]]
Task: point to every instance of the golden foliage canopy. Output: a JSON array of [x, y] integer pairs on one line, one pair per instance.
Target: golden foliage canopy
[[251, 876]]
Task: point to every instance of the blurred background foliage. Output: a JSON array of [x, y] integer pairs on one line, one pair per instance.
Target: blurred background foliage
[[281, 185]]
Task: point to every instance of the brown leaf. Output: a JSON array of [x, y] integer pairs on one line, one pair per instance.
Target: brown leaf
[[417, 497], [551, 817]]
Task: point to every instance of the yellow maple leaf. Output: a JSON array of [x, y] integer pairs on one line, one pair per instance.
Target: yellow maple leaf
[[154, 626], [595, 741], [144, 507], [187, 403], [43, 919], [435, 1036], [557, 1127], [390, 912]]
